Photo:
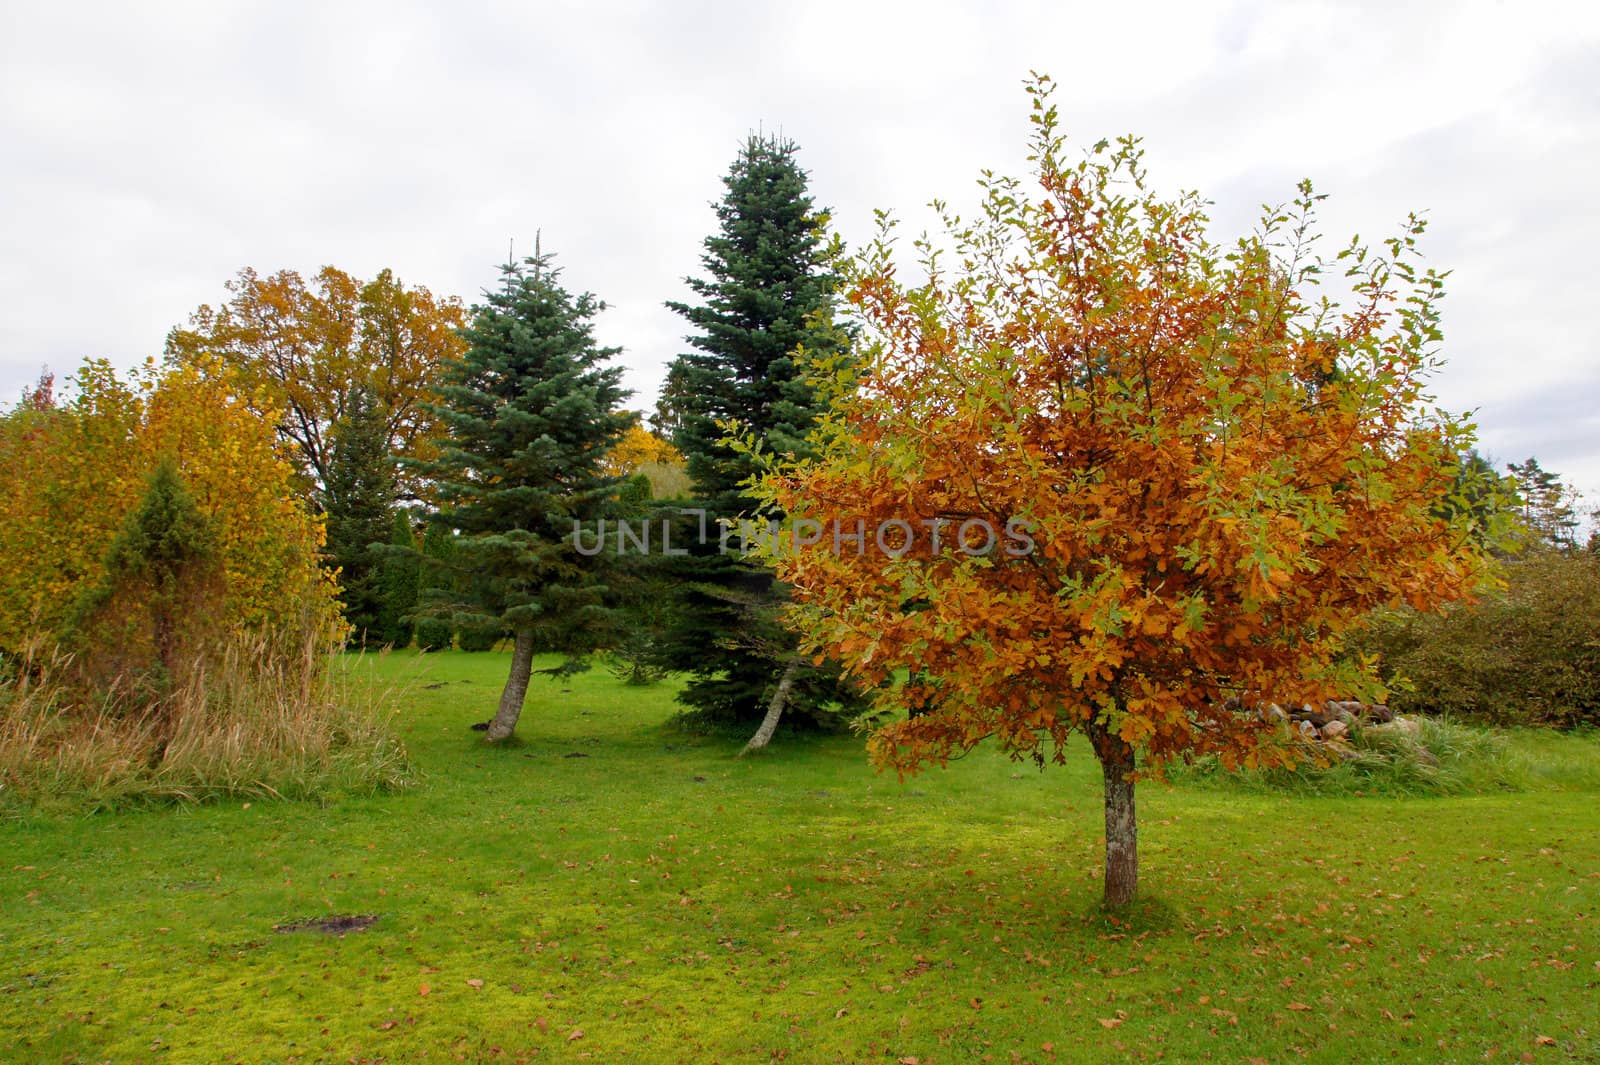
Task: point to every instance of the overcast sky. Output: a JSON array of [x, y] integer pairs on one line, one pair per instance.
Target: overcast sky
[[148, 151]]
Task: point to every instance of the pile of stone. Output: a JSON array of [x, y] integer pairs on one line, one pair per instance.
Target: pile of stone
[[1336, 719]]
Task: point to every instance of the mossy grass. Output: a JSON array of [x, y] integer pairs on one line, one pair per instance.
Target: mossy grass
[[615, 889]]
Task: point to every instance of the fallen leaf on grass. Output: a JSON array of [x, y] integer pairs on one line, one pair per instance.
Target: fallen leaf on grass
[[577, 1034], [1543, 1041], [1110, 1022], [1301, 1006], [424, 990], [475, 984]]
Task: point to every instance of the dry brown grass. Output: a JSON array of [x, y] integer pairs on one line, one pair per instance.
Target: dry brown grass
[[255, 720]]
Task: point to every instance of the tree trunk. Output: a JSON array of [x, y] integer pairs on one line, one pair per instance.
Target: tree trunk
[[1122, 829], [769, 724], [505, 719]]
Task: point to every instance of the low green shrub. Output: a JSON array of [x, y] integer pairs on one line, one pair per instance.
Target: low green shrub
[[479, 636], [434, 634]]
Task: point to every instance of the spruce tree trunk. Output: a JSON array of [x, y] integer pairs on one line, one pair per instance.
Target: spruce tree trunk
[[1122, 828], [769, 724], [516, 690]]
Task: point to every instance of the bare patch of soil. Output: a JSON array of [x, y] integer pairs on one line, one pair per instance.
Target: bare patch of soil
[[336, 925]]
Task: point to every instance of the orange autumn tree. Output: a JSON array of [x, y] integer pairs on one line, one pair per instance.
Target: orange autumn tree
[[1095, 473], [301, 350]]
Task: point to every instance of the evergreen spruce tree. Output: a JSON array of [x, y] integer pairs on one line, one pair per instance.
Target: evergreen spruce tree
[[156, 609], [765, 302], [530, 411], [359, 498], [400, 572]]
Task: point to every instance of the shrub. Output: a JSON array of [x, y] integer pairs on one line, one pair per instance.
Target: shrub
[[479, 635], [1527, 653], [434, 634]]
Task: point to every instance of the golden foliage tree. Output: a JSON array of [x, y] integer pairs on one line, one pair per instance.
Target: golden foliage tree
[[1099, 475], [638, 448], [71, 476], [306, 348], [642, 452]]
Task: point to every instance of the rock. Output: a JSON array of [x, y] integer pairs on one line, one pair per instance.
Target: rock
[[1317, 715], [1308, 730], [1379, 712], [1273, 712], [1334, 730], [1427, 757], [1408, 725], [1346, 710]]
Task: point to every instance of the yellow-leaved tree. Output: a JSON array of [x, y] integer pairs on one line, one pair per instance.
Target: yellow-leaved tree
[[641, 452], [72, 474]]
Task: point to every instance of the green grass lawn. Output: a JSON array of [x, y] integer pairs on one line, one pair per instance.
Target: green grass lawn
[[613, 889]]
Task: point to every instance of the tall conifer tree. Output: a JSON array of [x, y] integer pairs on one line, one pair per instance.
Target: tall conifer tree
[[764, 300], [358, 498], [531, 409], [399, 579]]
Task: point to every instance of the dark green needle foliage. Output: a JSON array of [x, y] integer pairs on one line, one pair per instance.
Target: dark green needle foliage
[[155, 612], [764, 308], [435, 596], [400, 576], [530, 411], [359, 499]]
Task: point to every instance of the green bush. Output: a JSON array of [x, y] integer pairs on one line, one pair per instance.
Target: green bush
[[434, 634], [1524, 654], [479, 636]]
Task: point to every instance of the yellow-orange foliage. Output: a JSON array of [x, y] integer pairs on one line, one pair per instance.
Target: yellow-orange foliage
[[1219, 475], [70, 475], [304, 348], [637, 448]]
